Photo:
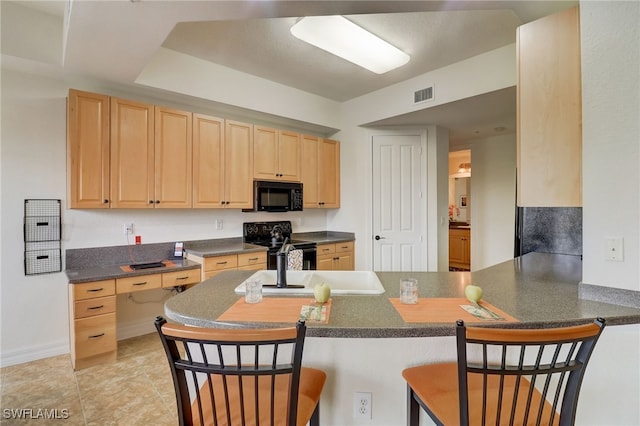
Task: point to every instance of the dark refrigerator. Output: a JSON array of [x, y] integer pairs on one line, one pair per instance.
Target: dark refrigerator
[[548, 230]]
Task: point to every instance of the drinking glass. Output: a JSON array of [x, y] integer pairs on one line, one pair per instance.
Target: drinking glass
[[253, 292], [409, 291]]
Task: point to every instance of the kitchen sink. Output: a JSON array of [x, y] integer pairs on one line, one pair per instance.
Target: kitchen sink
[[341, 282]]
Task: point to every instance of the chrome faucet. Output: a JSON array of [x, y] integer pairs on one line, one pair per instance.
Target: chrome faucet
[[281, 264]]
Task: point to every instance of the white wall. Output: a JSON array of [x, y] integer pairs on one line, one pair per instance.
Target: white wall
[[610, 45], [610, 139], [493, 189]]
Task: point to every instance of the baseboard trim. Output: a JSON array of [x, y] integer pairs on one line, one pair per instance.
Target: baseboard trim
[[34, 353], [61, 347]]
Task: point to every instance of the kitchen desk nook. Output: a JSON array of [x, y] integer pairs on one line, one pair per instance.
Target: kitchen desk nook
[[366, 340]]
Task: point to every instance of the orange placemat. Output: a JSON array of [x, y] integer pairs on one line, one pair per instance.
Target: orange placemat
[[444, 309], [272, 309], [127, 268]]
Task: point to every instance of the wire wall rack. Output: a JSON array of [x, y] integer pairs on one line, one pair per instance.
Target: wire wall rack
[[42, 236]]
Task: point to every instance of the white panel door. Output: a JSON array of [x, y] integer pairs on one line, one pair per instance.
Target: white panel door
[[398, 203]]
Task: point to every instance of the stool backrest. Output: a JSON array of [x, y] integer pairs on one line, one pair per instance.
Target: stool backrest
[[227, 376], [527, 376]]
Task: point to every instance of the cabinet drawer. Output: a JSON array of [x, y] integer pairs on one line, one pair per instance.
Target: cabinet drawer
[[249, 259], [94, 289], [139, 283], [91, 307], [190, 276], [219, 263], [326, 249], [95, 335], [256, 267], [344, 247]]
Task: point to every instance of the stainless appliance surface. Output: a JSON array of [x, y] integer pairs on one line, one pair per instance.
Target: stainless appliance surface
[[271, 196], [272, 235]]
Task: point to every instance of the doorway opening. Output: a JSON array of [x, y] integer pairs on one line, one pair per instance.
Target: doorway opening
[[460, 210]]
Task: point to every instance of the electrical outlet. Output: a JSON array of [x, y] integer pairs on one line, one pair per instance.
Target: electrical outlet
[[219, 224], [362, 405], [128, 229]]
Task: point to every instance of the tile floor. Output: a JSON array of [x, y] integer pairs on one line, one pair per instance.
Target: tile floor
[[135, 390]]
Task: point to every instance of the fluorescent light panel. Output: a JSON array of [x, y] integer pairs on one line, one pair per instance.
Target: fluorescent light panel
[[345, 39]]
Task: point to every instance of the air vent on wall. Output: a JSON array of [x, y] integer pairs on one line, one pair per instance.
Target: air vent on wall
[[423, 95]]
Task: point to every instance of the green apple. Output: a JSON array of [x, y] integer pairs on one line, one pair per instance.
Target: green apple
[[321, 292], [473, 293]]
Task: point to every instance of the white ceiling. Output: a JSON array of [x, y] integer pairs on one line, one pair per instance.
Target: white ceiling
[[113, 40]]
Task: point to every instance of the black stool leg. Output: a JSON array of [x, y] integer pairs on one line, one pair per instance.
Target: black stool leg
[[413, 409], [315, 417]]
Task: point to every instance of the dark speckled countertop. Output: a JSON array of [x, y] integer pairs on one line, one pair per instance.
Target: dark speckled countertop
[[103, 263], [220, 247], [539, 289]]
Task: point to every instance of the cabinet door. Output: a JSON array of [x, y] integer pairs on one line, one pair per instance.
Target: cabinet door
[[288, 156], [309, 173], [324, 263], [329, 173], [132, 154], [208, 161], [344, 262], [549, 112], [88, 150], [238, 165], [456, 249], [265, 153], [173, 158]]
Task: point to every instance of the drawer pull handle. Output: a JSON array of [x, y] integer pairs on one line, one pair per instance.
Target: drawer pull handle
[[222, 263], [253, 259], [96, 307], [142, 283], [95, 290], [96, 336], [182, 278]]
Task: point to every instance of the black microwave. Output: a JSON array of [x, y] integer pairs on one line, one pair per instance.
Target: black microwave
[[277, 196]]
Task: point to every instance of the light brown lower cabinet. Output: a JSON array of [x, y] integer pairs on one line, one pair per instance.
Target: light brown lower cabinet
[[92, 317], [215, 264], [460, 248], [335, 256], [92, 323]]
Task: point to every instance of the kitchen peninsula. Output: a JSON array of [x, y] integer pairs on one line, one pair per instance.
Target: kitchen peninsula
[[539, 290]]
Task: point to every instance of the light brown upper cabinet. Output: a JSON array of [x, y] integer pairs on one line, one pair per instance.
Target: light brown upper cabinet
[[173, 158], [276, 154], [150, 156], [132, 154], [549, 116], [218, 181], [238, 164], [321, 172], [88, 150], [208, 161]]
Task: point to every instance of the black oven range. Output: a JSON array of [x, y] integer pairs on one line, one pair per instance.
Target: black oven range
[[272, 235]]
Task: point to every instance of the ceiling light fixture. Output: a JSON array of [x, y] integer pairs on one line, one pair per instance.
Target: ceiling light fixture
[[343, 38]]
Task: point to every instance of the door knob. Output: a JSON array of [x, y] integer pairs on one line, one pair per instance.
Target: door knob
[[378, 237]]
